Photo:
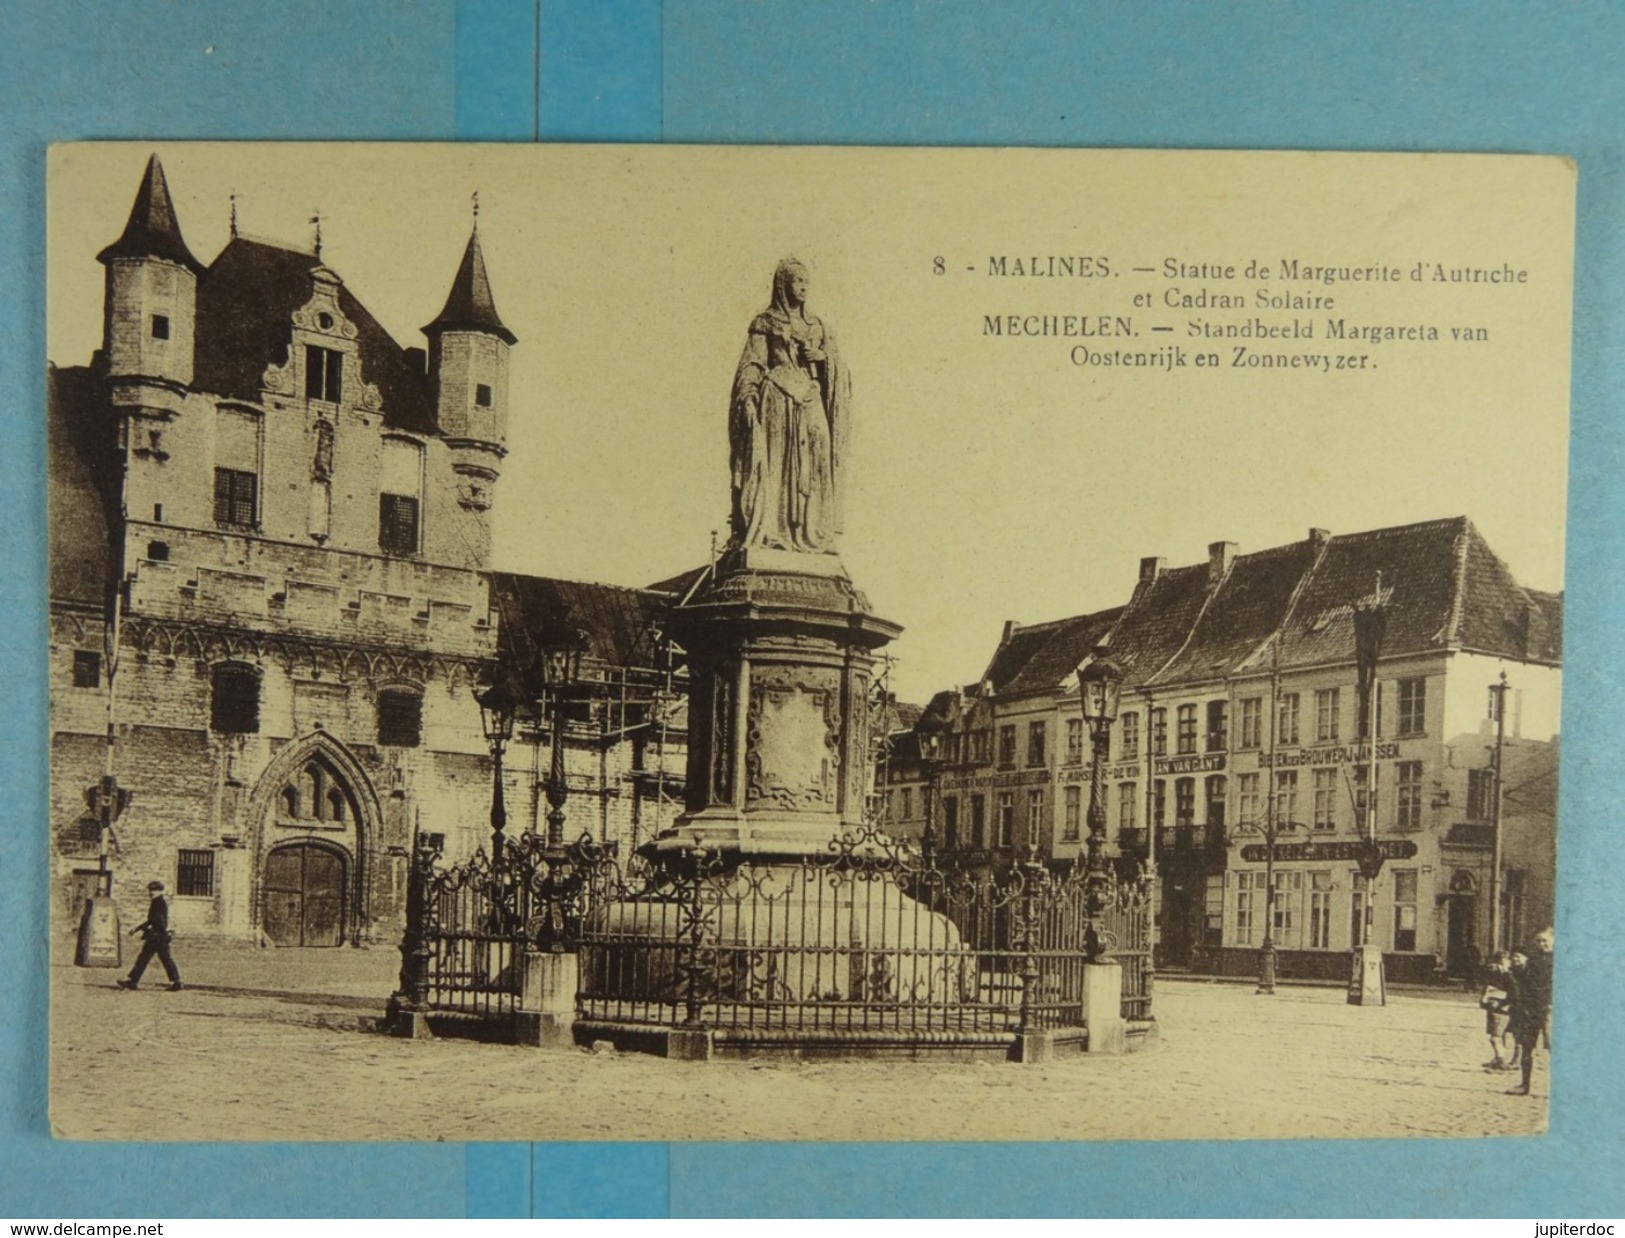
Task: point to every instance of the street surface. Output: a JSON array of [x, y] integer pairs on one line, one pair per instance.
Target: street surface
[[268, 1044]]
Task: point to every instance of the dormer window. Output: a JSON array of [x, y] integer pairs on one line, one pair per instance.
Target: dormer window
[[324, 374], [160, 327], [482, 395]]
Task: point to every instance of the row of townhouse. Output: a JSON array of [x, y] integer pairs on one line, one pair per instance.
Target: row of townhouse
[[1238, 726]]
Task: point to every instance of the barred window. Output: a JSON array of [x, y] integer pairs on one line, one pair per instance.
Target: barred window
[[400, 718], [234, 699], [236, 497], [194, 874], [397, 524]]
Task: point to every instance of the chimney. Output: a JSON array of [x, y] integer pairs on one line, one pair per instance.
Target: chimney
[[1220, 555], [1319, 537], [1151, 567]]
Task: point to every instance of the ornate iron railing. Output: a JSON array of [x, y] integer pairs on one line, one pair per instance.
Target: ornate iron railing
[[867, 941]]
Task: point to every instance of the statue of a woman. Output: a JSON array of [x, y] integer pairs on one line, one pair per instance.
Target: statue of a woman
[[787, 426]]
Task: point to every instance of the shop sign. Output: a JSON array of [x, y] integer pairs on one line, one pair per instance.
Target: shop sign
[[1285, 853]]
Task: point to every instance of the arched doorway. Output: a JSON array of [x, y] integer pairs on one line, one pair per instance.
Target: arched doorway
[[305, 894], [318, 825]]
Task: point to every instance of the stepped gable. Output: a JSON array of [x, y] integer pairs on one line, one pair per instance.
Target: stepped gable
[[1421, 565], [1069, 643], [1157, 621], [152, 231], [1253, 598], [245, 305], [82, 496], [621, 624]]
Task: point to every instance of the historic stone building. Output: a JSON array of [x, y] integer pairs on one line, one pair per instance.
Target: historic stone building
[[1239, 701], [271, 603]]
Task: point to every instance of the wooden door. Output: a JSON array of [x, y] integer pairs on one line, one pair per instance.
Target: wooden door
[[304, 895]]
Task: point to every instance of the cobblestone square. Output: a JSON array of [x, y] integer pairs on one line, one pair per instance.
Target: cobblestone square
[[269, 1044]]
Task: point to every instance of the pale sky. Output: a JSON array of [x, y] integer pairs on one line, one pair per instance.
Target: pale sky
[[991, 478]]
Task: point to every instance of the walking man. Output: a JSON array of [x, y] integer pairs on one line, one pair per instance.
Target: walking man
[[155, 936]]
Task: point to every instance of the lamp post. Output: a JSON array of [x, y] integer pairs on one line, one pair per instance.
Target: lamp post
[[1498, 694], [930, 737], [498, 704], [1100, 687], [561, 669]]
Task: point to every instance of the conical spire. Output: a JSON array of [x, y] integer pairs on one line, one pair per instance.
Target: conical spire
[[470, 306], [152, 231]]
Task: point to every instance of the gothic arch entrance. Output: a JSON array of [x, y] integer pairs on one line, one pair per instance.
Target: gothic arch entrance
[[318, 824]]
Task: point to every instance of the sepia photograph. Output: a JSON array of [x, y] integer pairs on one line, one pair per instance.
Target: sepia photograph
[[698, 643]]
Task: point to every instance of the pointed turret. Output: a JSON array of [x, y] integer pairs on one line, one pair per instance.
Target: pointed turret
[[151, 299], [152, 230], [470, 306], [468, 372]]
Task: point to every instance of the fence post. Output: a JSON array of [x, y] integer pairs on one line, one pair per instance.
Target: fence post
[[693, 1041], [409, 1006], [1033, 1044]]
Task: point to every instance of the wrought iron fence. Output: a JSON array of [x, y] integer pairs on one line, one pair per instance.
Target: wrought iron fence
[[868, 941], [470, 926]]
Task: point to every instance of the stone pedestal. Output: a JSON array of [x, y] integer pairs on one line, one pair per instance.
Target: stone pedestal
[[781, 656], [1103, 1007], [101, 941], [547, 999], [1368, 982]]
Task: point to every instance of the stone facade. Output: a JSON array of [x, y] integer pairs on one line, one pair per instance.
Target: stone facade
[[272, 600]]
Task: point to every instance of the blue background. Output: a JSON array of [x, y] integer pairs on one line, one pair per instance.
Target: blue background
[[1397, 76]]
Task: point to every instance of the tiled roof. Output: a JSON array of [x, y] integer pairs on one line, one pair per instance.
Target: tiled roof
[[245, 305], [83, 464], [622, 625], [1441, 584], [470, 306], [152, 230], [1058, 651]]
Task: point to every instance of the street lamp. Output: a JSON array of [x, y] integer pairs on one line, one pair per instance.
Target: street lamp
[[930, 737], [561, 669], [498, 704], [1100, 688]]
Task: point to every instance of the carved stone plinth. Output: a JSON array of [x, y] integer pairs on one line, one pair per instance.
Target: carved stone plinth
[[781, 655]]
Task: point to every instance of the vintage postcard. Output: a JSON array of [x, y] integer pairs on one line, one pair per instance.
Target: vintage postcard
[[656, 643]]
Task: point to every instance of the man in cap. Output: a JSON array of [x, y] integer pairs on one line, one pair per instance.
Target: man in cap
[[155, 936]]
